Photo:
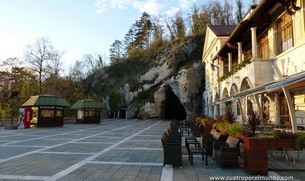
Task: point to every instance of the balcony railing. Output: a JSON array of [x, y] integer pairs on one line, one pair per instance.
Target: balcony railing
[[258, 70], [235, 69]]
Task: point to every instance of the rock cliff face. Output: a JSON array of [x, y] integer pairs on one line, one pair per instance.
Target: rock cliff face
[[179, 89], [186, 87]]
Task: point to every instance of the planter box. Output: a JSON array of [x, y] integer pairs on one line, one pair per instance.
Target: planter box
[[207, 127], [256, 153], [280, 143], [256, 156]]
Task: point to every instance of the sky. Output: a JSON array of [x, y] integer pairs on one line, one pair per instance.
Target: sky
[[77, 27]]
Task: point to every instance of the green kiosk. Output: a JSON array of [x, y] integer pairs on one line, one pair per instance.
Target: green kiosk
[[46, 110], [88, 111]]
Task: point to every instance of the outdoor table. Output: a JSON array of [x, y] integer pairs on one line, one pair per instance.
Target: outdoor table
[[193, 142], [191, 151]]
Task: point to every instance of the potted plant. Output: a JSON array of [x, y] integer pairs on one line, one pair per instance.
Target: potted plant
[[192, 117], [196, 126], [252, 121], [299, 140], [207, 123], [222, 126], [235, 129], [281, 139], [229, 116]]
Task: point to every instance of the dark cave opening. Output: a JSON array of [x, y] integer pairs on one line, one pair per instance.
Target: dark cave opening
[[171, 107]]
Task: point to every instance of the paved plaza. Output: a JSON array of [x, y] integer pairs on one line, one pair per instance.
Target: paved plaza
[[113, 150]]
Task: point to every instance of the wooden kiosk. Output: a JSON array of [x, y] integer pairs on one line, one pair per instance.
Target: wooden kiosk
[[88, 111], [46, 110]]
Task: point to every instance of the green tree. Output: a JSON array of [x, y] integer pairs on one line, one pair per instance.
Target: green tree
[[228, 9], [179, 24], [116, 51], [158, 36], [129, 38], [143, 31], [217, 12], [15, 78], [195, 21], [239, 13], [114, 101], [171, 30]]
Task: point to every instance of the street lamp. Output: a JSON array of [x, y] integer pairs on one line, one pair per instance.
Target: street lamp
[[14, 95]]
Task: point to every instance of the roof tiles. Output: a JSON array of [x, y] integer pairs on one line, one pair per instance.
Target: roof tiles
[[222, 30]]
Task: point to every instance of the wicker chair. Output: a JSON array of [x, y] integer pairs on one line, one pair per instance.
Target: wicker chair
[[226, 153], [172, 138], [172, 152], [208, 139]]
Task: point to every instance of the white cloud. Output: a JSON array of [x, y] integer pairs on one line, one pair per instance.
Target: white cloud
[[120, 4], [185, 4], [172, 11], [102, 6], [154, 7], [150, 6], [106, 5], [181, 5]]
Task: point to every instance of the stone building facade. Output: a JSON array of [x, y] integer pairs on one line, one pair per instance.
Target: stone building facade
[[259, 65]]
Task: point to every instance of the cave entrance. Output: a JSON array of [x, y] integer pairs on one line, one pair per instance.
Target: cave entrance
[[172, 107]]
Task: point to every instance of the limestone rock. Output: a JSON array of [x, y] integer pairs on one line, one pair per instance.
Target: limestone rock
[[187, 84], [149, 110]]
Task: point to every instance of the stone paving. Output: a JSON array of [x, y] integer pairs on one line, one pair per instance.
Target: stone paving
[[116, 150]]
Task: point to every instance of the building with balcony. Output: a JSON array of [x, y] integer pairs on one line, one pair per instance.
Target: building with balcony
[[259, 65]]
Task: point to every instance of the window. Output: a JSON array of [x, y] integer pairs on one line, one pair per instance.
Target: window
[[263, 46], [80, 114], [90, 113], [58, 113], [47, 113], [285, 33]]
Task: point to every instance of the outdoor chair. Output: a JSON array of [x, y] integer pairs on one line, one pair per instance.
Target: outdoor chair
[[171, 139], [207, 140], [184, 128], [172, 153], [174, 133], [174, 125], [226, 153], [196, 129]]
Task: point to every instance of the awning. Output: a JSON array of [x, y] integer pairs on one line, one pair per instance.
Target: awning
[[46, 100], [293, 81], [289, 81], [87, 104]]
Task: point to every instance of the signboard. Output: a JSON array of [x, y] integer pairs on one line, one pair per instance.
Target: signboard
[[24, 118]]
